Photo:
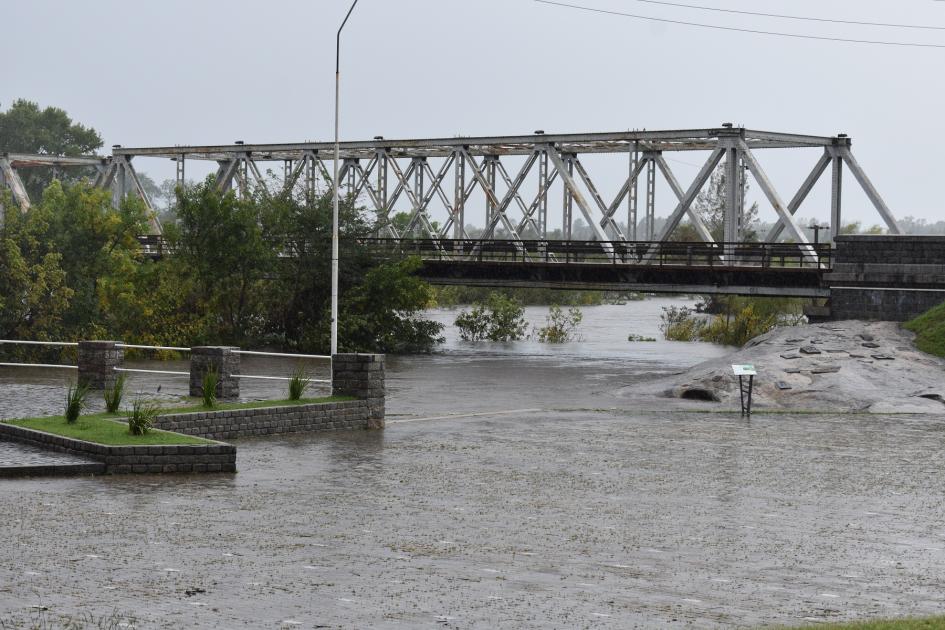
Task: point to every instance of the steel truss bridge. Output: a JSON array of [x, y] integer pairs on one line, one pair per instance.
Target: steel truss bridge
[[511, 185]]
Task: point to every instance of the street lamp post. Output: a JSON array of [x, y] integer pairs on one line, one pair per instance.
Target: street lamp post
[[334, 181]]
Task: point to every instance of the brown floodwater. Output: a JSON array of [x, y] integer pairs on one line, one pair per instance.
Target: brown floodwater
[[516, 486]]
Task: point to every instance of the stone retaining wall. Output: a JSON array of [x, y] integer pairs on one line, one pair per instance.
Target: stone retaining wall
[[238, 423], [882, 277], [197, 458]]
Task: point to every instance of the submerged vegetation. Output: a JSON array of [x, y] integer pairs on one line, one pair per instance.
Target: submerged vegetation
[[730, 320], [560, 326], [500, 318]]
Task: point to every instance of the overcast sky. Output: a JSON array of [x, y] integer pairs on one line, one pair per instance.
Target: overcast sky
[[185, 72]]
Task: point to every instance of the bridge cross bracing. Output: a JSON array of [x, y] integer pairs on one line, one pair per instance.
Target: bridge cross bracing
[[443, 184]]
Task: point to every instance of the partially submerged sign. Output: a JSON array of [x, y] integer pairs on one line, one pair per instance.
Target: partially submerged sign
[[745, 386]]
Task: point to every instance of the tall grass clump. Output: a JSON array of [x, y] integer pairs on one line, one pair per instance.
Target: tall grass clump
[[210, 380], [75, 401], [298, 384], [141, 420], [114, 394]]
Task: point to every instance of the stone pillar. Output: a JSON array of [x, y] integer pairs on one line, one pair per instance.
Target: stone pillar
[[361, 376], [97, 363], [225, 361]]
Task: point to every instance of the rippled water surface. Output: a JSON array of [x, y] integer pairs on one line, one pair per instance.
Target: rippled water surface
[[516, 485]]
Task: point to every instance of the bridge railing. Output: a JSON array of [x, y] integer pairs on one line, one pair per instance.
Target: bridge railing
[[686, 254]]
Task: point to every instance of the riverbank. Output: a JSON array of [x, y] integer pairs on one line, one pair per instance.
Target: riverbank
[[845, 366]]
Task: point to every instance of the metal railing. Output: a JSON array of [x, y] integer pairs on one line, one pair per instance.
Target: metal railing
[[649, 253], [74, 344]]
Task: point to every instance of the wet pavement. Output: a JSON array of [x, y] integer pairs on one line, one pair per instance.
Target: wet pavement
[[508, 491]]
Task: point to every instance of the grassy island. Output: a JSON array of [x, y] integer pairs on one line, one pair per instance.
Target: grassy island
[[111, 429]]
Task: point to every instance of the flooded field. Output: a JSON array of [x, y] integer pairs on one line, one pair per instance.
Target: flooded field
[[516, 485]]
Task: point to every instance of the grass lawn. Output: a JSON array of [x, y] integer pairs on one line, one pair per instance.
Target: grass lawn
[[103, 429], [197, 404], [929, 328], [110, 428], [925, 623]]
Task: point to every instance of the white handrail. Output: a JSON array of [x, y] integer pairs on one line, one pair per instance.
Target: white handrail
[[118, 369], [283, 354], [278, 378], [42, 365], [139, 347], [72, 344]]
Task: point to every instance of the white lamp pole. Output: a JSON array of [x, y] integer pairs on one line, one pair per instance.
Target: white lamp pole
[[334, 217]]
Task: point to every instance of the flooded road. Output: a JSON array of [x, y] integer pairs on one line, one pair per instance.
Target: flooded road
[[512, 488]]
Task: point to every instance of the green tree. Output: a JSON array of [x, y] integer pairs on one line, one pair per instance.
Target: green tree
[[98, 246], [223, 247], [33, 291], [26, 128]]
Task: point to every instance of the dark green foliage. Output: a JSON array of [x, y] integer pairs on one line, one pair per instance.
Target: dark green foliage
[[141, 420], [632, 338], [929, 328], [560, 327], [209, 388], [457, 295], [25, 128], [114, 394], [735, 321], [298, 383], [500, 319], [75, 401]]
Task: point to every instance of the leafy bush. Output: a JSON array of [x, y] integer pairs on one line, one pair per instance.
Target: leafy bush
[[114, 394], [501, 319], [633, 337], [210, 380], [141, 420], [75, 401], [560, 327], [737, 320], [298, 384], [677, 323], [473, 325]]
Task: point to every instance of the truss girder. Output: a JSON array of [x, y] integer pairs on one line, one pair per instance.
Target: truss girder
[[436, 180]]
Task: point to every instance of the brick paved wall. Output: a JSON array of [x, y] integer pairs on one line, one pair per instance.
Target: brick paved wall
[[197, 458], [225, 361], [238, 423]]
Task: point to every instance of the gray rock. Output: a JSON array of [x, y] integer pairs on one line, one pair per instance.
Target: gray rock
[[782, 385], [792, 370], [790, 355], [794, 340], [825, 369], [854, 355], [883, 357], [810, 350], [870, 344], [866, 337]]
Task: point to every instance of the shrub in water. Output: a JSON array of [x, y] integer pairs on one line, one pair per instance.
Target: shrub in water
[[560, 326], [114, 394], [142, 417], [75, 401], [298, 384], [210, 379], [501, 319]]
